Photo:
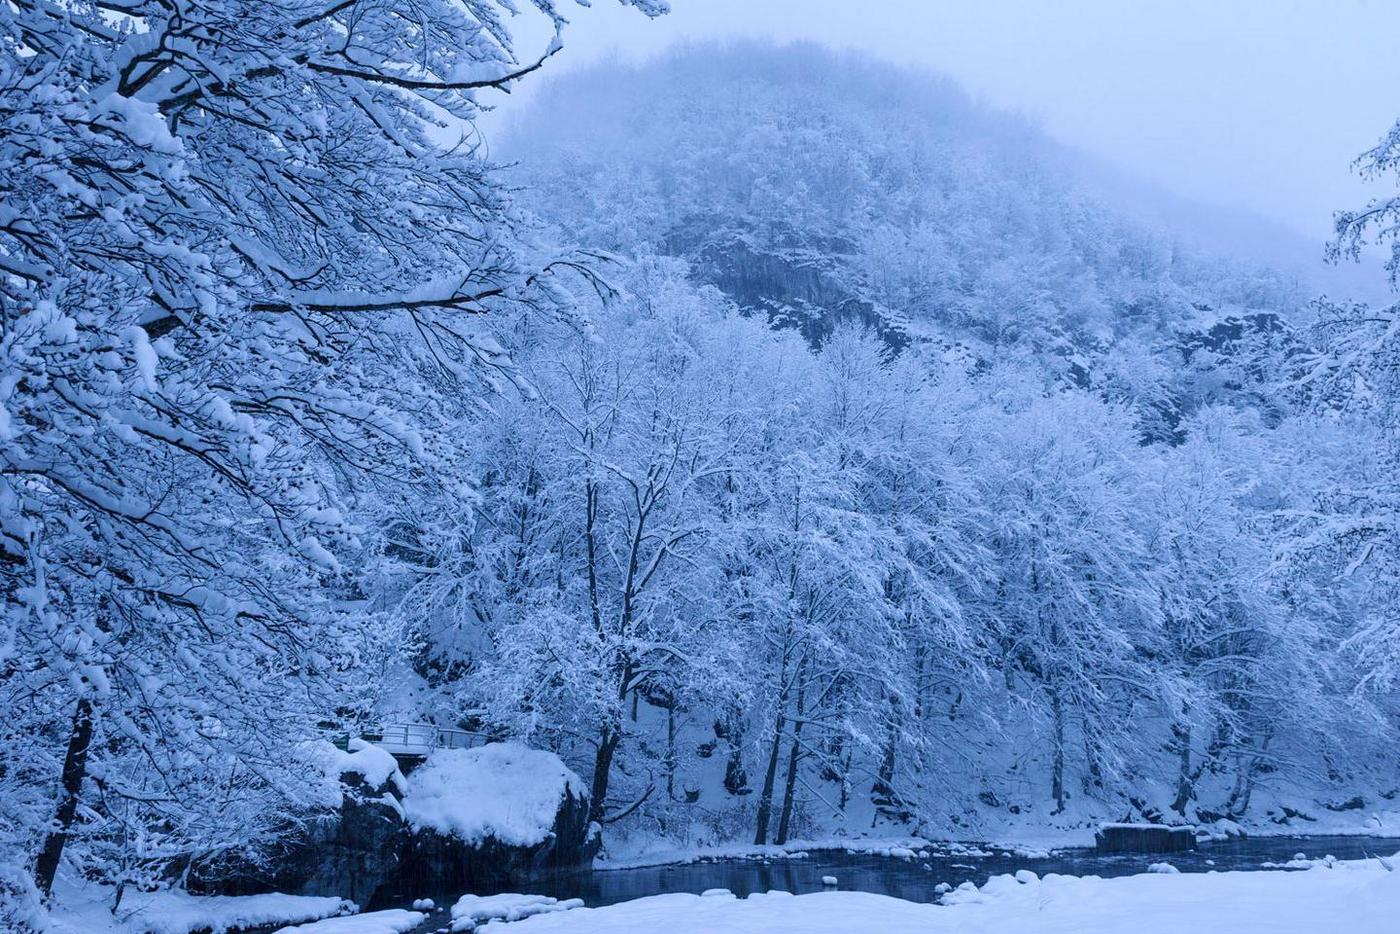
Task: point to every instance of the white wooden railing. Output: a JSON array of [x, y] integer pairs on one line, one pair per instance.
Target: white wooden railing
[[419, 739]]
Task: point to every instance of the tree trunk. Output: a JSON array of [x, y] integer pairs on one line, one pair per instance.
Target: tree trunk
[[1185, 786], [765, 796], [1057, 769], [846, 780], [884, 796], [602, 767], [794, 759], [1244, 781], [670, 760], [74, 769], [736, 777], [785, 816], [883, 793], [1093, 781]]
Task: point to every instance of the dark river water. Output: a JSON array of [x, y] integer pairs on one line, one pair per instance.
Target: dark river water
[[918, 879]]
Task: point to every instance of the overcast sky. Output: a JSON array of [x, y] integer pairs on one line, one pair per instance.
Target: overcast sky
[[1259, 104]]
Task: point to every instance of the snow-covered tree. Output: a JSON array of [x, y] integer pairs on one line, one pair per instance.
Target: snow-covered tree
[[1074, 595], [238, 275]]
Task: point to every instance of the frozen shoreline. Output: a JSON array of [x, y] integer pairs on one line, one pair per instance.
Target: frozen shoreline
[[1000, 897], [1359, 897], [897, 847], [1037, 845]]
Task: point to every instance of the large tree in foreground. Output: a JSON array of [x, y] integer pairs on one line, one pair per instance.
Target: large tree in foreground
[[238, 275]]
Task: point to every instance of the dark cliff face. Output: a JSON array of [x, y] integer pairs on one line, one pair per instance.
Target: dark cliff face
[[355, 853], [432, 862], [352, 852], [793, 286], [366, 852]]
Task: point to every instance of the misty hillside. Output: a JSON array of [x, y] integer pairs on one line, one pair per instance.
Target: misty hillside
[[814, 186]]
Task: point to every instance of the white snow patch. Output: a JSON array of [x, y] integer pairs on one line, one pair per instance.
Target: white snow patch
[[373, 764], [393, 921], [501, 790], [141, 121], [85, 909], [472, 910]]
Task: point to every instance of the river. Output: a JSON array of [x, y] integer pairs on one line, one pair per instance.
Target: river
[[918, 879]]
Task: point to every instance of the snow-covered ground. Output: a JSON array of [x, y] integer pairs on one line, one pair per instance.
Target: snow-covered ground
[[392, 921], [1266, 818], [87, 910], [1351, 898]]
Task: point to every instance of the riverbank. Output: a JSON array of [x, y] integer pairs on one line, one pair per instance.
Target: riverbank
[[1359, 898], [1032, 843], [903, 869], [896, 847]]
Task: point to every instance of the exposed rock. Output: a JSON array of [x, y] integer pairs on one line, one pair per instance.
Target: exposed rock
[[1144, 838], [1290, 815], [368, 852], [1355, 803], [354, 853], [438, 862]]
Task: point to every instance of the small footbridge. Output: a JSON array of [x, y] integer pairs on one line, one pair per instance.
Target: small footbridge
[[411, 743]]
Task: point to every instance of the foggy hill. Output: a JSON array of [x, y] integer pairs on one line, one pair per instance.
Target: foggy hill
[[814, 185]]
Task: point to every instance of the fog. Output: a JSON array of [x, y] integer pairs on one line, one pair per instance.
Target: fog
[[1254, 105]]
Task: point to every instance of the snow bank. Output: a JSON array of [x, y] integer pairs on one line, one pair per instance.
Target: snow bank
[[86, 909], [501, 790], [773, 913], [1360, 902], [472, 910], [393, 921]]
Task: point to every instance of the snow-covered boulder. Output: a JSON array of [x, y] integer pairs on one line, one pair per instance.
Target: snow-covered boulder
[[502, 791], [355, 852], [472, 911], [494, 816]]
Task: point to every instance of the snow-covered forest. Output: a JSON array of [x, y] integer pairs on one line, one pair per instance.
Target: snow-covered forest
[[901, 481], [793, 445]]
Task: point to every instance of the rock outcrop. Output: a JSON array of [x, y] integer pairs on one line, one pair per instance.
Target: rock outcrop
[[442, 862], [1144, 838], [482, 820]]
